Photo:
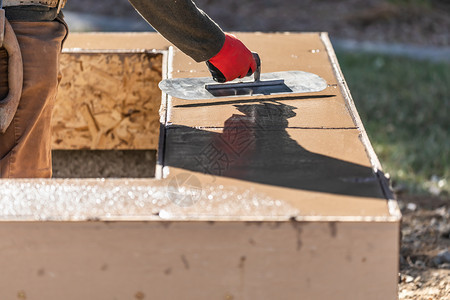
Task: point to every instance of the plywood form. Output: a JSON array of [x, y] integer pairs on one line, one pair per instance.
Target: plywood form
[[104, 75], [230, 235], [108, 100], [197, 260]]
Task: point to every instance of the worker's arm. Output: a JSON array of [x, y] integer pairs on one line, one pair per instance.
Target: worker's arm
[[183, 24], [194, 33]]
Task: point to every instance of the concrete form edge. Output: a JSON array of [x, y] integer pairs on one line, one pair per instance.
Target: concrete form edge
[[167, 69], [394, 210], [206, 218]]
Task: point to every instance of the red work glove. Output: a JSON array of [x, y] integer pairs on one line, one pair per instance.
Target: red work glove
[[233, 61]]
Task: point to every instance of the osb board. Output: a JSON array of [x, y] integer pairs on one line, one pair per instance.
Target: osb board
[[198, 260], [108, 100]]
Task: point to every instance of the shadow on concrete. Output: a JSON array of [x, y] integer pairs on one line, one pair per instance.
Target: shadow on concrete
[[256, 147], [252, 100]]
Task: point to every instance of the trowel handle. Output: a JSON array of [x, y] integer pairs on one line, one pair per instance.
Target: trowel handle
[[257, 72]]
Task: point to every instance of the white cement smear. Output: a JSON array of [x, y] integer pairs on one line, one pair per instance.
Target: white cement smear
[[134, 199]]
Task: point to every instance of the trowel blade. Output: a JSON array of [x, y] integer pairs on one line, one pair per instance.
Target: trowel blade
[[292, 82]]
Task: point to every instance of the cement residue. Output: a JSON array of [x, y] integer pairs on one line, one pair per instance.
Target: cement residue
[[101, 199], [78, 200], [219, 202]]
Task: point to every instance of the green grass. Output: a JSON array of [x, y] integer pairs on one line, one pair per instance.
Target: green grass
[[405, 107]]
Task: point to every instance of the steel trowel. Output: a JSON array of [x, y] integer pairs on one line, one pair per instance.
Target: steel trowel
[[276, 83]]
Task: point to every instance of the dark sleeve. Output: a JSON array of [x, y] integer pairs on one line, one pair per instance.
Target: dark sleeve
[[184, 25]]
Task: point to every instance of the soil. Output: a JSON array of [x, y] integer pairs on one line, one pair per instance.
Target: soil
[[424, 272], [425, 234]]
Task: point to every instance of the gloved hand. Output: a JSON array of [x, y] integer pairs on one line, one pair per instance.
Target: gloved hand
[[233, 61]]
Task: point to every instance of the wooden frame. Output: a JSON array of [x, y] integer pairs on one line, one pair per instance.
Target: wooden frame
[[196, 235]]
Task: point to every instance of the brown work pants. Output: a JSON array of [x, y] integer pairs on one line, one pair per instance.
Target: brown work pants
[[25, 148]]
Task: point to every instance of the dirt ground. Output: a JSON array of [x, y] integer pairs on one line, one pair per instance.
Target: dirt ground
[[424, 262], [424, 271]]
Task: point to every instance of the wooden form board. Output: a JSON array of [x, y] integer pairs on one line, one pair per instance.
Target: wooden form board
[[115, 94], [321, 226]]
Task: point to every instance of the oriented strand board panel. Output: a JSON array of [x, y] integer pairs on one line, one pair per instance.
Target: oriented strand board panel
[[108, 100]]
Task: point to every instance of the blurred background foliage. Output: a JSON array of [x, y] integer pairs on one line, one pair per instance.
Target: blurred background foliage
[[404, 104]]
